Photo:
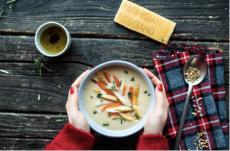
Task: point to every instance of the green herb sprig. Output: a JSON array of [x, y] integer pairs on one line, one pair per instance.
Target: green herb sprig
[[8, 5], [40, 66]]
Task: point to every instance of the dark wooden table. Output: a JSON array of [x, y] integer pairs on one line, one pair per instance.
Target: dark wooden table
[[27, 122]]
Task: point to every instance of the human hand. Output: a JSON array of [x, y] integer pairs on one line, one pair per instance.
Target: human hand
[[75, 117], [158, 116]]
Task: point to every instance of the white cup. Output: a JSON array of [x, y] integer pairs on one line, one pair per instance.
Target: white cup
[[39, 32]]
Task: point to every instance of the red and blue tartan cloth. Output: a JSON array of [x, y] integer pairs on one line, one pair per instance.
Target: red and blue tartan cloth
[[206, 125]]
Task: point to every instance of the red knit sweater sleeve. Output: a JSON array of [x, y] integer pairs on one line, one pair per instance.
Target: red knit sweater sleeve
[[71, 138], [152, 142]]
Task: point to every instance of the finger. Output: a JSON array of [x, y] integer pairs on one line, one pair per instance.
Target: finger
[[161, 99], [73, 99], [77, 82], [153, 78]]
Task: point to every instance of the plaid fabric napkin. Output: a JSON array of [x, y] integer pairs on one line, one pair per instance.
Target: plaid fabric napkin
[[206, 124]]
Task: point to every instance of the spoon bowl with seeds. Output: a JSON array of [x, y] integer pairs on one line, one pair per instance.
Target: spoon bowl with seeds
[[194, 72]]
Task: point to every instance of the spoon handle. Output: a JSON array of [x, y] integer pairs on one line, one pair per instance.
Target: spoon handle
[[179, 132]]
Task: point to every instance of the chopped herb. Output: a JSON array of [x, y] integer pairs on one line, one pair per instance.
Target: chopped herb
[[129, 94], [149, 94], [145, 91], [99, 95], [113, 87], [105, 124], [126, 72], [121, 120], [101, 100], [91, 97], [109, 114], [137, 116], [94, 112], [93, 80], [132, 79]]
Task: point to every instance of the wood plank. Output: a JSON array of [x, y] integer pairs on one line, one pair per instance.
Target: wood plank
[[22, 143], [95, 18], [26, 129], [20, 90], [92, 51], [20, 125]]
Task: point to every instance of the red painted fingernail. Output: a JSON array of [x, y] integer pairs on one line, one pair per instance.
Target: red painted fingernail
[[160, 87], [71, 90]]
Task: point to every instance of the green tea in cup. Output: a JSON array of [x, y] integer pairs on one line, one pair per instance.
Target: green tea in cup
[[52, 39]]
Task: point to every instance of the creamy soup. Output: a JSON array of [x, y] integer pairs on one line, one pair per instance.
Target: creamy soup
[[117, 98]]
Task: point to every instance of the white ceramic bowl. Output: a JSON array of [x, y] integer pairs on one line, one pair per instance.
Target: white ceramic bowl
[[99, 128], [39, 32]]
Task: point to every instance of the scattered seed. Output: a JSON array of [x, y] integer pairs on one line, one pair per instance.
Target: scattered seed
[[192, 74], [39, 97], [4, 71], [59, 120], [49, 98]]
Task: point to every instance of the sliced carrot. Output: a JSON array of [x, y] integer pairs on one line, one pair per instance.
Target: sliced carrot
[[100, 78], [103, 87], [130, 93], [124, 90], [108, 106], [113, 114], [138, 89], [134, 96], [117, 81], [107, 76]]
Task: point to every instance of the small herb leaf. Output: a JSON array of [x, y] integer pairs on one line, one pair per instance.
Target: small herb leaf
[[99, 95], [132, 79], [94, 112], [105, 124]]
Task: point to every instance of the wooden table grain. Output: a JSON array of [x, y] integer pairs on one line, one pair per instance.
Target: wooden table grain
[[27, 122]]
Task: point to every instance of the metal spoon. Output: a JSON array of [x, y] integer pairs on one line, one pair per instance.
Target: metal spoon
[[198, 62]]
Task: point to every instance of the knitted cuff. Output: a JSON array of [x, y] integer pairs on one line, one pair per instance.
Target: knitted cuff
[[152, 142], [72, 138]]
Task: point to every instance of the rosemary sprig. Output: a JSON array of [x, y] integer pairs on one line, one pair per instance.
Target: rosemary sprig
[[8, 5], [40, 65], [2, 12]]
